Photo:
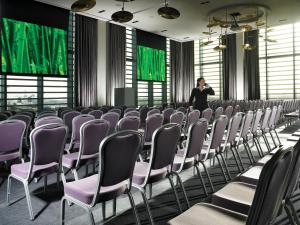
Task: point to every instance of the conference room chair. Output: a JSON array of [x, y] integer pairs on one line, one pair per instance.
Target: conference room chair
[[96, 113], [61, 109], [152, 112], [116, 110], [113, 179], [128, 123], [68, 118], [132, 113], [228, 112], [163, 150], [27, 120], [48, 120], [112, 118], [8, 113], [266, 200], [47, 145], [129, 109], [182, 109], [29, 113], [229, 142], [264, 127], [46, 113], [143, 115], [153, 122], [178, 118], [218, 112], [77, 122], [3, 116], [187, 157], [104, 109], [91, 133], [192, 117], [167, 114], [277, 122], [236, 109], [11, 139], [86, 110], [64, 111], [207, 114]]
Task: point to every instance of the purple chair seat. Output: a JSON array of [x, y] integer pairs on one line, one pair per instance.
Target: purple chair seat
[[22, 170], [263, 160], [84, 189], [9, 156], [204, 152], [252, 175], [141, 170], [70, 160], [235, 196], [179, 160]]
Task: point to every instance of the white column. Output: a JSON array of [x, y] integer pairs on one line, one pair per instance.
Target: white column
[[240, 66], [102, 62]]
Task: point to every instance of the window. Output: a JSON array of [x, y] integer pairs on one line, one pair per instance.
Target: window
[[34, 92], [208, 64], [279, 62]]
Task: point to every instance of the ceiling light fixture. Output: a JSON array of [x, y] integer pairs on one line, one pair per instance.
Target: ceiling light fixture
[[83, 5], [168, 12], [122, 16]]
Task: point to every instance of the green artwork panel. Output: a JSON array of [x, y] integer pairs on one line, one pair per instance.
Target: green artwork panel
[[28, 48], [151, 64]]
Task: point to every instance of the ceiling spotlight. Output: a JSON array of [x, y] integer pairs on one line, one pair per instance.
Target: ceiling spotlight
[[168, 12], [122, 16], [248, 47], [220, 48], [83, 5]]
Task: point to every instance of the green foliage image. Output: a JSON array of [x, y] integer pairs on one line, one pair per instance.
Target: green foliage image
[[151, 64], [28, 48]]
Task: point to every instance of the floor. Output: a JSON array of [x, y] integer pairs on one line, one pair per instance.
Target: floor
[[46, 205]]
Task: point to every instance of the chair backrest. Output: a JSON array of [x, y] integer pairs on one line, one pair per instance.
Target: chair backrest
[[77, 122], [192, 117], [182, 109], [11, 136], [228, 111], [233, 127], [266, 118], [45, 114], [91, 134], [129, 123], [207, 114], [270, 189], [272, 117], [237, 108], [153, 111], [164, 146], [60, 110], [68, 118], [27, 120], [3, 116], [217, 132], [129, 110], [86, 110], [246, 124], [116, 110], [47, 145], [278, 114], [177, 117], [256, 120], [132, 113], [218, 112], [117, 156], [63, 112], [153, 122], [196, 137], [167, 114], [112, 118], [48, 120], [96, 113], [143, 114]]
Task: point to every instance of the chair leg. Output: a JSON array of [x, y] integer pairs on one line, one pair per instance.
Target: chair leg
[[137, 219], [57, 179], [150, 191], [45, 183], [208, 177], [235, 159], [114, 206], [28, 200], [290, 215], [258, 147], [226, 166], [86, 170], [236, 149], [75, 174], [222, 169], [182, 188], [201, 179], [91, 216], [267, 142], [63, 210], [104, 211], [8, 189], [248, 154], [251, 154], [277, 137], [273, 140], [147, 205], [175, 193], [293, 211]]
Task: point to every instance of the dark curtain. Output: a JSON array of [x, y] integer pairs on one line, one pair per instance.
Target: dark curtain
[[251, 67], [86, 61], [229, 67], [182, 70], [116, 61]]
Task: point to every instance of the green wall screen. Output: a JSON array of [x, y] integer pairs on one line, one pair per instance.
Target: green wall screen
[[151, 64], [28, 48]]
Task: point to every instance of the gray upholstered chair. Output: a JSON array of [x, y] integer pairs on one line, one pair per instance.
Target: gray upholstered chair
[[132, 113], [86, 110], [152, 112], [96, 113], [113, 179], [192, 117], [27, 120], [48, 120], [128, 123], [153, 122], [112, 118], [207, 114], [68, 118], [218, 112], [228, 111], [178, 118], [3, 116], [167, 114], [47, 146]]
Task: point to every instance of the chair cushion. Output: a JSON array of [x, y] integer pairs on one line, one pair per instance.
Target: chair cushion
[[252, 175], [9, 156], [70, 160], [235, 196], [208, 214], [179, 160], [263, 160], [22, 170], [84, 190], [140, 173]]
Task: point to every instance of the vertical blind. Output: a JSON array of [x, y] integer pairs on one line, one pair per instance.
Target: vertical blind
[[208, 64]]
